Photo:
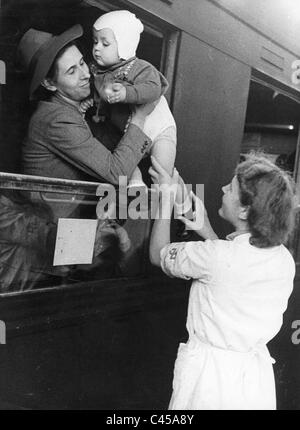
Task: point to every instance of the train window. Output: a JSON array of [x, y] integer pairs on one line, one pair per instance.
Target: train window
[[50, 235], [272, 124], [55, 16], [30, 210]]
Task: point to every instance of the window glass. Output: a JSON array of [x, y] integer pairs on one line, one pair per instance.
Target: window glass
[[272, 124], [53, 16], [31, 215], [50, 236]]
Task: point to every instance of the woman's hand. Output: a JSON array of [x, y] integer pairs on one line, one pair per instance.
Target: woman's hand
[[200, 222]]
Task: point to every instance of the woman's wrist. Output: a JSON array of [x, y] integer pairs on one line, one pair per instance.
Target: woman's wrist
[[168, 196], [207, 232]]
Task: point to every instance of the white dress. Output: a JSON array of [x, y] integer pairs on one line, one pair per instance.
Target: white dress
[[236, 304]]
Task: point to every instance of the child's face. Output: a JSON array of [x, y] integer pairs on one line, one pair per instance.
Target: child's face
[[231, 205], [105, 48]]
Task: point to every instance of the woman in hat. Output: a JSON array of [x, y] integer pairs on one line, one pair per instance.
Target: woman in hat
[[59, 141]]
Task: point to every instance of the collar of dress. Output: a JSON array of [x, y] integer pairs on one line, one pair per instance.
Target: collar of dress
[[56, 98], [99, 70], [239, 235]]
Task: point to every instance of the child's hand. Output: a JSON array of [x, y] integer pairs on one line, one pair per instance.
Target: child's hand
[[85, 105], [116, 94]]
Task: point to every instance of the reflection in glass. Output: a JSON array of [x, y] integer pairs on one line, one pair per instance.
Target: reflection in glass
[[28, 232], [272, 124]]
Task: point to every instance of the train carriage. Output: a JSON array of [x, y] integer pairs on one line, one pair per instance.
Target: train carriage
[[105, 337]]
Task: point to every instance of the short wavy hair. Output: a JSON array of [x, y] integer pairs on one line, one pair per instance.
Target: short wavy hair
[[41, 93], [269, 193]]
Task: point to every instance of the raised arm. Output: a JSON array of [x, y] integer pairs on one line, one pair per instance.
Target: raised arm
[[160, 235], [147, 85], [71, 138], [167, 185]]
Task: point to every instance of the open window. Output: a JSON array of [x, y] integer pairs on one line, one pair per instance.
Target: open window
[[157, 45], [29, 203], [272, 123], [50, 235]]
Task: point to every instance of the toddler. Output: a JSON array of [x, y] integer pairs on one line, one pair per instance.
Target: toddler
[[121, 80]]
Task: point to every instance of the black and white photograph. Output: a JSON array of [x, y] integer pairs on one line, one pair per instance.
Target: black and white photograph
[[149, 207]]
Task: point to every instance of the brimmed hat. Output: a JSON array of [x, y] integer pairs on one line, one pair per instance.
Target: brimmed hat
[[38, 49]]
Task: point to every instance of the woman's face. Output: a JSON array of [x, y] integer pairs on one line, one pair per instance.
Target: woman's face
[[231, 204], [73, 76]]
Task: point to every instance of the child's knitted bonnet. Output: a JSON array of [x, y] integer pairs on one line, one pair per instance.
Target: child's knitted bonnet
[[127, 29]]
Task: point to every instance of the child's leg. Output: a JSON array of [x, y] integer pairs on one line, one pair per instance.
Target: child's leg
[[136, 179], [164, 150]]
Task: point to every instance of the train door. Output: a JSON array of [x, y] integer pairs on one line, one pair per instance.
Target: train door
[[272, 125]]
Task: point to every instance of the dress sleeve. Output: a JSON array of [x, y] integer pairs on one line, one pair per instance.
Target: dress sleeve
[[147, 86], [71, 139], [188, 260]]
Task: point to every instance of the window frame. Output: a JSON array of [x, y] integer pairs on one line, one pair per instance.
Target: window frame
[[269, 82], [171, 39]]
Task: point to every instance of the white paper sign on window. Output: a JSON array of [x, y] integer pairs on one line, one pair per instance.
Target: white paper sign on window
[[75, 241], [2, 73]]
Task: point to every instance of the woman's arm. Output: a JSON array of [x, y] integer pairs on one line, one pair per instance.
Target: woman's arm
[[145, 84], [70, 137], [167, 186], [160, 235]]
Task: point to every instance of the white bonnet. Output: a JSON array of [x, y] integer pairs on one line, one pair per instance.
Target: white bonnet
[[127, 29]]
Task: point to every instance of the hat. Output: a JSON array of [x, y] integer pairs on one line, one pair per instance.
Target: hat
[[127, 29], [38, 49]]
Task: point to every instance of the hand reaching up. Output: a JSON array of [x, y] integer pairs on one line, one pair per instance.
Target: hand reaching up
[[200, 222]]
